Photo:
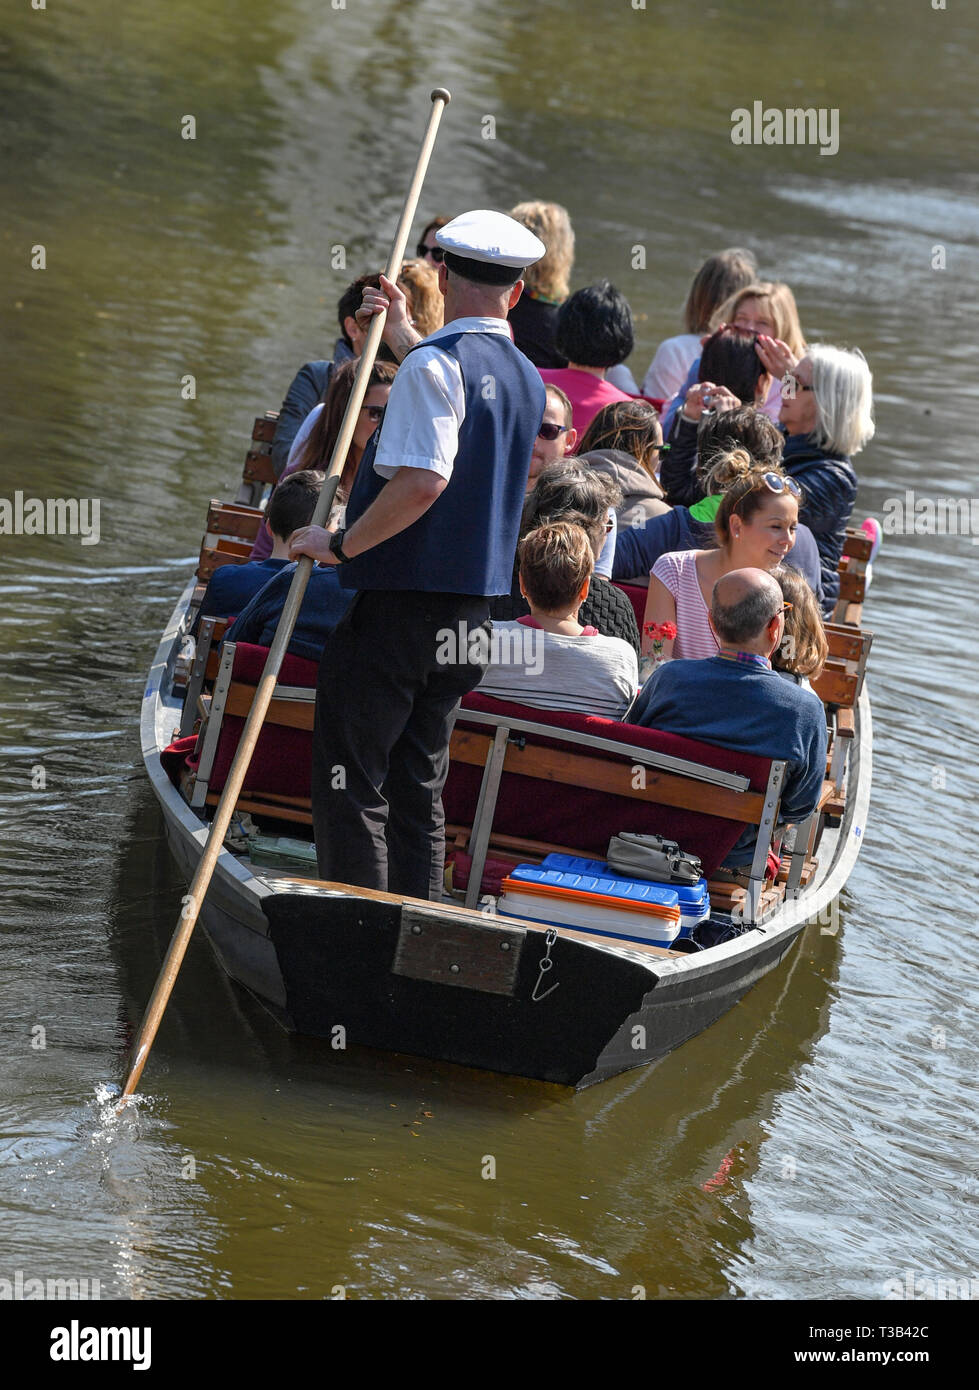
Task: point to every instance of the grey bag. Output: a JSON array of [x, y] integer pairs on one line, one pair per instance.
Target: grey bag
[[650, 856]]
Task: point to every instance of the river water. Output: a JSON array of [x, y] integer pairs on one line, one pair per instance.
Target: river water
[[818, 1141]]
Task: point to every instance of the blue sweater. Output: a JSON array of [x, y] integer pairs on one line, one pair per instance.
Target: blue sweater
[[232, 586], [743, 706], [324, 604]]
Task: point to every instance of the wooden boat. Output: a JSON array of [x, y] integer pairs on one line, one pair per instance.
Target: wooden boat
[[457, 980]]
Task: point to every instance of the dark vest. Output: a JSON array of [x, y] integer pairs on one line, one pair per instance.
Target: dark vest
[[466, 541]]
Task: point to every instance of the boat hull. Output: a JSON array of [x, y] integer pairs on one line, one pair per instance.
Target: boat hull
[[440, 981]]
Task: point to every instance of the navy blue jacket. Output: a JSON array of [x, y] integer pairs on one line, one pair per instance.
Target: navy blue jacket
[[307, 389], [232, 586], [637, 548], [743, 706], [829, 486], [324, 604]]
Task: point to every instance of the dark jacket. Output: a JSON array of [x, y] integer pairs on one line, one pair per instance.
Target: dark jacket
[[678, 465], [307, 389], [637, 548], [324, 604], [534, 323], [606, 608], [829, 488]]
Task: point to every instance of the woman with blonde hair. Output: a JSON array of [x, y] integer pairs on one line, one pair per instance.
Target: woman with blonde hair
[[802, 652], [547, 283], [426, 307], [755, 528], [765, 308], [720, 276]]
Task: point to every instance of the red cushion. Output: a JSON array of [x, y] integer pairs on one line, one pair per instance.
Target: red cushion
[[250, 663], [281, 761], [586, 820]]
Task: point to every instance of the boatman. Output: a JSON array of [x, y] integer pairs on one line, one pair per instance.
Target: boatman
[[431, 532]]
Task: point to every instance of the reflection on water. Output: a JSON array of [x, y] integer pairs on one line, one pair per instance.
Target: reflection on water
[[813, 1142]]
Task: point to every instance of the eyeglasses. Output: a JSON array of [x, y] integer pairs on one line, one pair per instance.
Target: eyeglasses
[[775, 482], [375, 413], [793, 384], [551, 432], [436, 252]]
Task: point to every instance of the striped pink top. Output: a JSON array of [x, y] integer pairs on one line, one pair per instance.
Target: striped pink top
[[678, 572]]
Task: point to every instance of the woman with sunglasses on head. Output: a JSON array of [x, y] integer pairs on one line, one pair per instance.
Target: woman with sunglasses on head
[[313, 445], [755, 528], [827, 416]]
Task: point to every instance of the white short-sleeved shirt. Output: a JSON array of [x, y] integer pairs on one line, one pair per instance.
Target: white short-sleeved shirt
[[677, 570], [668, 369], [427, 404]]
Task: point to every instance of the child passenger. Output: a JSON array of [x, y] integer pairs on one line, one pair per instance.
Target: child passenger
[[548, 659]]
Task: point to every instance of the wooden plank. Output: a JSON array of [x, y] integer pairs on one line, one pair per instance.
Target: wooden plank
[[251, 804], [212, 559], [835, 687], [845, 722], [289, 714], [844, 643], [616, 778], [538, 848], [230, 520], [857, 544], [263, 430], [853, 587], [258, 468]]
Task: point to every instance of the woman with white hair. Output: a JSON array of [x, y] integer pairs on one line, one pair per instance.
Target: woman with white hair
[[827, 416]]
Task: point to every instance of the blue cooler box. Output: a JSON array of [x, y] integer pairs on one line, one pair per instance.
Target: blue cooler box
[[693, 898], [565, 891]]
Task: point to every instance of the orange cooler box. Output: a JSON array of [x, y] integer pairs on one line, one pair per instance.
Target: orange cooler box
[[619, 907]]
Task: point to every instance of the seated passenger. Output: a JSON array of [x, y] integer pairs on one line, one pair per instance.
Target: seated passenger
[[291, 506], [718, 278], [549, 659], [594, 332], [755, 528], [637, 548], [533, 319], [311, 382], [801, 654], [324, 604], [317, 435], [556, 437], [765, 308], [736, 700], [570, 491], [623, 441], [827, 415]]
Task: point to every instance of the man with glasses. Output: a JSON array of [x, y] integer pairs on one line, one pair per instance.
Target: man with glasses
[[431, 532], [556, 436], [736, 700]]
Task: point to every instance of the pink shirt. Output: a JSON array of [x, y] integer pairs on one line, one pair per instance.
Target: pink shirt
[[677, 570], [586, 393]]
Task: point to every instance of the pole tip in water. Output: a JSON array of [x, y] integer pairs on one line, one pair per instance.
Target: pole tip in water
[[443, 94]]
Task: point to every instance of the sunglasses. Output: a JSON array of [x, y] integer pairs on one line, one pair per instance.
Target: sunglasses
[[551, 432], [793, 384], [436, 252], [375, 413], [775, 482]]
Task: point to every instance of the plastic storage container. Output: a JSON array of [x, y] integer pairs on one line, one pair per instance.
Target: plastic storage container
[[627, 909], [693, 897]]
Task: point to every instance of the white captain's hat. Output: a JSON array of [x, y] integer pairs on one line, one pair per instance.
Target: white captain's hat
[[489, 247]]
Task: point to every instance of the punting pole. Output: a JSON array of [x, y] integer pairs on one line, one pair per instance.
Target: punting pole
[[263, 694]]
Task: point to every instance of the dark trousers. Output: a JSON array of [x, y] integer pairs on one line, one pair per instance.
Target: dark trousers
[[390, 680]]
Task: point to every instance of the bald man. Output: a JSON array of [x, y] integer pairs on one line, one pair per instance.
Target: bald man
[[736, 700]]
